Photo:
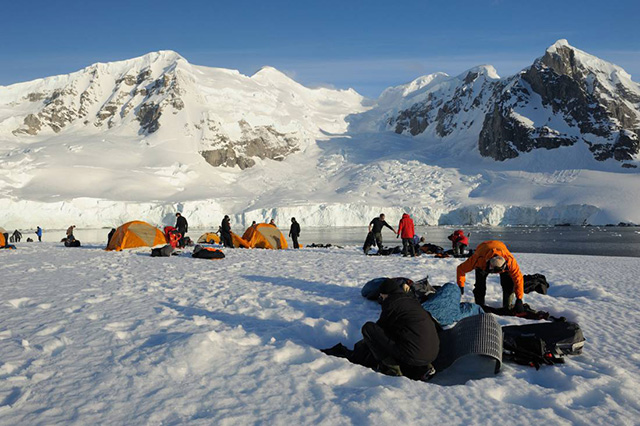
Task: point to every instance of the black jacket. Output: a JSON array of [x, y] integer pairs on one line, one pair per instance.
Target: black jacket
[[377, 225], [181, 224], [412, 329], [226, 226], [295, 230]]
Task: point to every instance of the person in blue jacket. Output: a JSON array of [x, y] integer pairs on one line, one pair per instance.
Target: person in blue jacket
[[39, 233]]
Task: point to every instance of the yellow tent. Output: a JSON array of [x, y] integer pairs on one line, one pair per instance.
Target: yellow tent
[[3, 239], [136, 234], [209, 238], [264, 235]]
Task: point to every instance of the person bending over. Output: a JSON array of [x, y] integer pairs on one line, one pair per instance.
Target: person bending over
[[404, 336], [376, 226], [493, 257]]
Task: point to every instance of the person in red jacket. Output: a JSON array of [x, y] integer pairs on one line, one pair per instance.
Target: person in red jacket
[[459, 241], [406, 231]]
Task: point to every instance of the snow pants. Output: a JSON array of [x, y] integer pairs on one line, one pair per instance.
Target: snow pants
[[226, 239], [480, 288], [378, 236], [407, 245], [380, 345], [459, 248]]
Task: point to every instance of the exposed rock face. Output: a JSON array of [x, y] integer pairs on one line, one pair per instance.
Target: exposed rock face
[[444, 106], [566, 97], [260, 141]]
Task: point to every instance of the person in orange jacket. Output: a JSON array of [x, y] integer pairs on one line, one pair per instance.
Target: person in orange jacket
[[493, 257]]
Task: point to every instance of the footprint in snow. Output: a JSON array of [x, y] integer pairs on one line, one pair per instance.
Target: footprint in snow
[[22, 302], [97, 299], [122, 329]]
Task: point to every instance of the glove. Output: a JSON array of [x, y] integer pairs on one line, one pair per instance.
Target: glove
[[461, 291], [518, 307]]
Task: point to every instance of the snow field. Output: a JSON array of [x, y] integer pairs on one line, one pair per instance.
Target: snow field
[[88, 336]]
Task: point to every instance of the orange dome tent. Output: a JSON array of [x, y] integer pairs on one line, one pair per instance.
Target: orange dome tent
[[264, 235], [239, 242], [136, 234], [209, 238], [3, 239]]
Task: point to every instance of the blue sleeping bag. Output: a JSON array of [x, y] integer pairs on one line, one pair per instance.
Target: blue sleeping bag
[[445, 307]]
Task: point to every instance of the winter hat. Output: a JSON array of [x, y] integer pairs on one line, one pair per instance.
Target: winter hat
[[388, 286], [497, 263]]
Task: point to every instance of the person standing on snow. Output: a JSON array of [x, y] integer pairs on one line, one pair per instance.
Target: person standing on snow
[[294, 232], [376, 225], [113, 231], [182, 227], [225, 232], [493, 257], [407, 232], [39, 234]]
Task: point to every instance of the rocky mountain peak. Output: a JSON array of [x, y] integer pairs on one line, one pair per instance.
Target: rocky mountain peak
[[565, 97]]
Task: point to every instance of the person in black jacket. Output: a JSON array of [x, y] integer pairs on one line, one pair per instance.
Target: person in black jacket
[[113, 231], [225, 232], [294, 232], [182, 227], [375, 227], [404, 336]]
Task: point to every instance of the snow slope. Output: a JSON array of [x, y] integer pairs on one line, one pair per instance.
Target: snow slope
[[88, 336], [146, 137]]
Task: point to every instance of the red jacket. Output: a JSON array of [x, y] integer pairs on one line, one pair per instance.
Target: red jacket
[[458, 236], [405, 227]]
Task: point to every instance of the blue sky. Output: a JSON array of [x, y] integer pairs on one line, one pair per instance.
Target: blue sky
[[367, 45]]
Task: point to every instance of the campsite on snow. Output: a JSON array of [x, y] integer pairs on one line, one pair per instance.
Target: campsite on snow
[[314, 242]]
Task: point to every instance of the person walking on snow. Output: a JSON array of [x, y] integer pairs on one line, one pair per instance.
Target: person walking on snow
[[376, 225], [225, 232], [493, 257], [406, 231], [294, 232], [182, 227]]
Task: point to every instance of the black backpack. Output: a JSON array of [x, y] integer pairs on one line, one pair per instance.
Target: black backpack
[[164, 251], [207, 253], [535, 282], [542, 343]]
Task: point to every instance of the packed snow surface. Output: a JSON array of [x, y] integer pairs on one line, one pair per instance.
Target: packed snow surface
[[94, 337]]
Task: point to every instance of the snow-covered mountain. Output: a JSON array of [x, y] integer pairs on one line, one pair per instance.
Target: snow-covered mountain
[[566, 97], [145, 137], [230, 118]]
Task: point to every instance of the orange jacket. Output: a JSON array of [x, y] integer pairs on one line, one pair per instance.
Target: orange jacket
[[481, 256]]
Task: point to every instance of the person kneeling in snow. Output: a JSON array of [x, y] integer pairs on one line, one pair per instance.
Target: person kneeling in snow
[[459, 242], [493, 257], [405, 335]]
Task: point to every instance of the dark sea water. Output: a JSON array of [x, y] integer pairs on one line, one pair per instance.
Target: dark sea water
[[587, 240]]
